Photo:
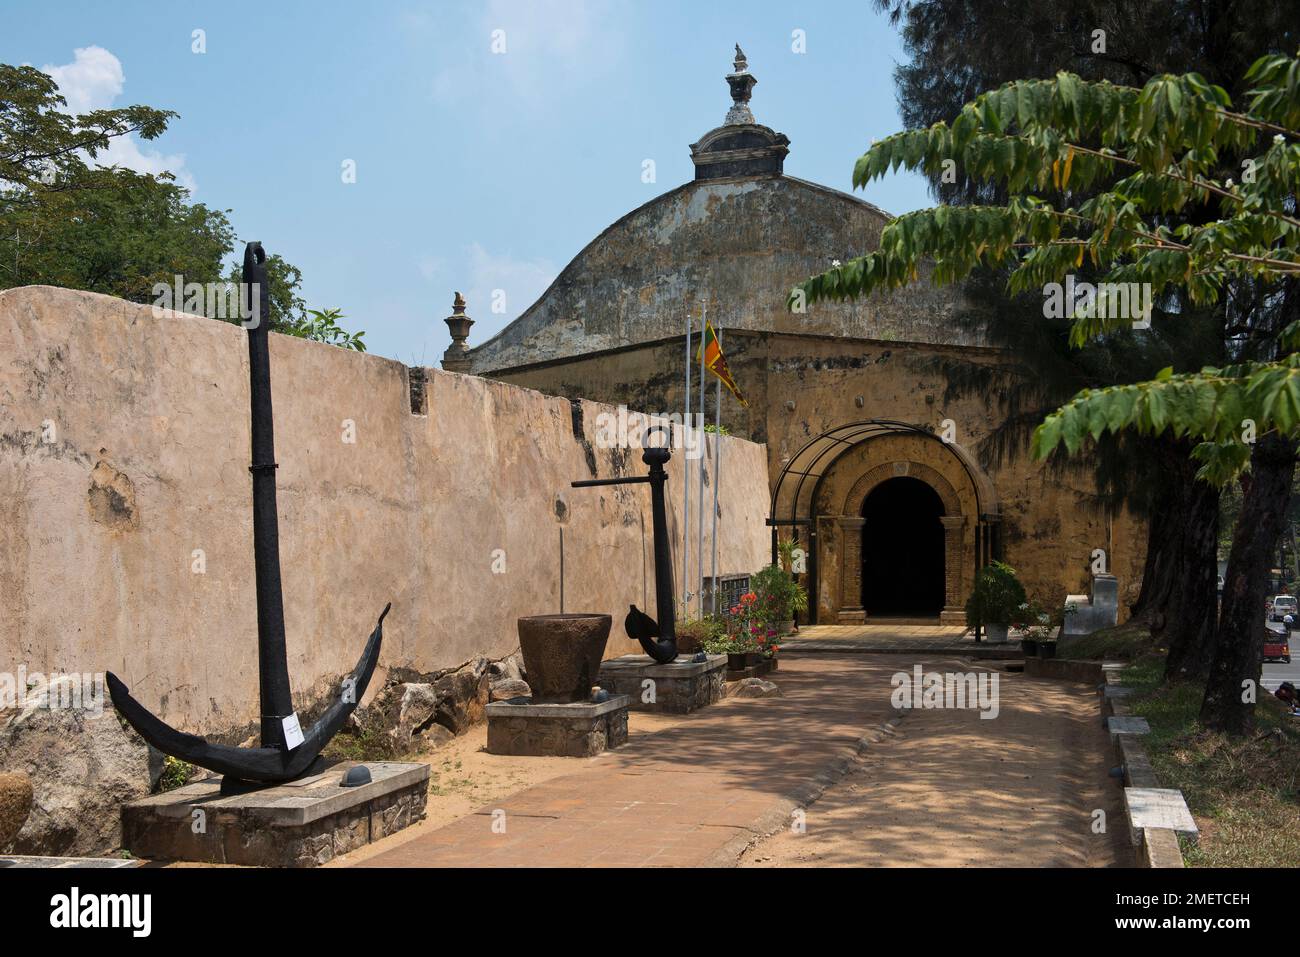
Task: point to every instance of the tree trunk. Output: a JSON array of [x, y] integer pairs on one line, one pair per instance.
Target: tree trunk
[[1235, 672], [1178, 596]]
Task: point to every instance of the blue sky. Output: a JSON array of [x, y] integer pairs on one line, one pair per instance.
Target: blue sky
[[475, 170]]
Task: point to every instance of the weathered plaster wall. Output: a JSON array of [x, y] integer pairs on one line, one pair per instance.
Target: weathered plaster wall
[[742, 243], [148, 462], [1050, 525]]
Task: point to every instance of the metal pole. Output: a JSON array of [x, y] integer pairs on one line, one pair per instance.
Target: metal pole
[[686, 484], [704, 318], [717, 477]]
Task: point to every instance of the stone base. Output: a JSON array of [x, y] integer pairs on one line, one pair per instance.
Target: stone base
[[300, 824], [679, 687], [764, 667], [579, 729]]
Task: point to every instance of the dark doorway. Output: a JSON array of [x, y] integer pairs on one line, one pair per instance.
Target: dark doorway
[[902, 550]]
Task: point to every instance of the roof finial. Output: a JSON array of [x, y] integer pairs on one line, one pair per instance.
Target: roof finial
[[742, 83], [456, 358]]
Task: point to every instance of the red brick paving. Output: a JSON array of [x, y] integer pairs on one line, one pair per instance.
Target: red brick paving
[[678, 797]]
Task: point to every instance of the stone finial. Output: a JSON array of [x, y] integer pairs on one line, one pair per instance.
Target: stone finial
[[456, 358], [742, 83]]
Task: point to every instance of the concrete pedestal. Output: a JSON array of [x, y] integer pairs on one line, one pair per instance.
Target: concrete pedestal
[[679, 687], [579, 729], [300, 824]]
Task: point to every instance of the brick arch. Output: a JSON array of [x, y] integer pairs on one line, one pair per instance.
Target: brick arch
[[867, 483]]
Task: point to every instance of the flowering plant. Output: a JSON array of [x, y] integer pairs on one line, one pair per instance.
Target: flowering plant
[[1036, 623], [746, 625]]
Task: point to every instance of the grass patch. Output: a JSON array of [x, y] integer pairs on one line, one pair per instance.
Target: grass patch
[[1242, 791], [1126, 642]]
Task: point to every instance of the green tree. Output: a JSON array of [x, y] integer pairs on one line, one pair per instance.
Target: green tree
[[1039, 139], [66, 221], [956, 50]]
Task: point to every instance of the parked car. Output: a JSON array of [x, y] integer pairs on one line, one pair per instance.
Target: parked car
[[1277, 646], [1283, 605]]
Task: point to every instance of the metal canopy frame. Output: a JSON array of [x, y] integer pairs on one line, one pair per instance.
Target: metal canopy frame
[[801, 477]]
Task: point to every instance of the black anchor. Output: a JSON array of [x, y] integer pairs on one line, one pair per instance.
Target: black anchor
[[274, 761], [658, 639]]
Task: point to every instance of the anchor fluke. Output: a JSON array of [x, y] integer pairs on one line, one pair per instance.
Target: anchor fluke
[[268, 765], [645, 630]]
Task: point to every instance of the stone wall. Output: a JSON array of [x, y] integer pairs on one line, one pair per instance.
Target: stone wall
[[800, 385], [125, 532]]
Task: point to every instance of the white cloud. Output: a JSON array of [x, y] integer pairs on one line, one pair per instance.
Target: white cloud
[[93, 81]]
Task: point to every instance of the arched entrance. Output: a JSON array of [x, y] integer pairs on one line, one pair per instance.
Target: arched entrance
[[903, 550], [820, 498]]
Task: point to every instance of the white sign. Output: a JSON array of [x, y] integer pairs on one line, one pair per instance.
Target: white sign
[[292, 732]]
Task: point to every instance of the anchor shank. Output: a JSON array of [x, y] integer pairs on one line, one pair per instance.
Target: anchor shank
[[272, 657], [664, 606]]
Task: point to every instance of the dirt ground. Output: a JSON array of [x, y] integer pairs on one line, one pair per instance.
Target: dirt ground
[[949, 789], [463, 777]]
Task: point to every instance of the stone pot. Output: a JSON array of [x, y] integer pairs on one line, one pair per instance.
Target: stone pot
[[996, 634], [785, 627], [736, 661], [562, 654]]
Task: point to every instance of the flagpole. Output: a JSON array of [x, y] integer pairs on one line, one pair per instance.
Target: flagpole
[[686, 484], [717, 475], [704, 324]]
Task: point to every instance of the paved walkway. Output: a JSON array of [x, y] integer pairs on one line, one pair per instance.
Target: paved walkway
[[694, 794], [701, 792]]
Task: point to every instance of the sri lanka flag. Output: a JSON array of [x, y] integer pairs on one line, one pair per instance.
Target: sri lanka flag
[[716, 362]]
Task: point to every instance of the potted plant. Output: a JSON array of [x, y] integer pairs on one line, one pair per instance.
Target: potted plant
[[745, 630], [697, 634], [1035, 625], [779, 597], [995, 600]]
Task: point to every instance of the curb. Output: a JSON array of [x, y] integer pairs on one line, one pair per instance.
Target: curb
[[778, 816]]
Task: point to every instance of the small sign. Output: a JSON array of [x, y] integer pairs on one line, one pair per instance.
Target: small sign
[[292, 732]]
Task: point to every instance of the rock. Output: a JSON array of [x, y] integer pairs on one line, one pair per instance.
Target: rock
[[753, 688], [434, 737], [462, 696], [83, 766], [15, 804], [509, 668], [504, 689]]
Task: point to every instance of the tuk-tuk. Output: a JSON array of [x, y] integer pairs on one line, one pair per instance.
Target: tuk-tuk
[[1277, 644]]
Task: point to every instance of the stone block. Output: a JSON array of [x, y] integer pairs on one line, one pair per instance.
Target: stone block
[[304, 823], [577, 729], [1126, 724], [679, 687], [1148, 808]]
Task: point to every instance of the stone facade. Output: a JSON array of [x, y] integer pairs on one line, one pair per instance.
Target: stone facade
[[800, 386], [737, 239]]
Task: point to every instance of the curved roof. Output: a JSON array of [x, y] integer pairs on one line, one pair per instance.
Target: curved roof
[[738, 242]]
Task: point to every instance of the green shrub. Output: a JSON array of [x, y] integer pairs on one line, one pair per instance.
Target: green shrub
[[996, 598]]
